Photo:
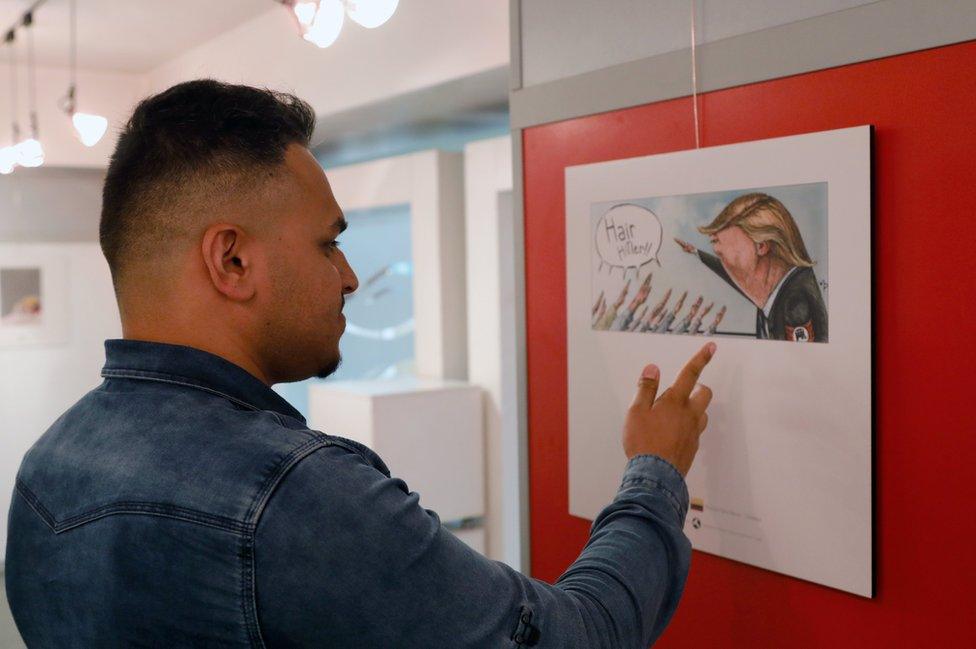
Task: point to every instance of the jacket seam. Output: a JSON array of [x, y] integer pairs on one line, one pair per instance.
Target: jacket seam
[[249, 606], [167, 378], [127, 507], [671, 497]]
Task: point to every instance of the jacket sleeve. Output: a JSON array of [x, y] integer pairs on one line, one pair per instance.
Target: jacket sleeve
[[345, 556]]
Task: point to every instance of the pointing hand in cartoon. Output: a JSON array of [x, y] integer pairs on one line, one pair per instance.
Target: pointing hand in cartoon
[[687, 247]]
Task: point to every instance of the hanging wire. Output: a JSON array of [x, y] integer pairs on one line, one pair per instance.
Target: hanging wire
[[9, 40], [31, 80], [694, 76], [69, 101], [74, 43]]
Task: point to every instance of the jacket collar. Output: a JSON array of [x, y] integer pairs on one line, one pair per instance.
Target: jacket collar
[[151, 361]]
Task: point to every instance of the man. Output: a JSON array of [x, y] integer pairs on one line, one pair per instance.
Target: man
[[183, 503], [759, 251]]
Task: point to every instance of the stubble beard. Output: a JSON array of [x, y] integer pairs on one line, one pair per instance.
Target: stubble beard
[[330, 368]]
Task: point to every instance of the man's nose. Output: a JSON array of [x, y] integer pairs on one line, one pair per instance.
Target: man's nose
[[350, 280]]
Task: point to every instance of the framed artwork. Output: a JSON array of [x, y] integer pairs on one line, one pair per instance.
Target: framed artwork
[[33, 300], [764, 247]]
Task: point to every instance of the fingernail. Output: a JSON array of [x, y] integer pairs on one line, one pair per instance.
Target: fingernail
[[711, 348], [651, 372]]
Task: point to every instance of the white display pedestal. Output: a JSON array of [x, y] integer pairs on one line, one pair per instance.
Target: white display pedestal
[[428, 431]]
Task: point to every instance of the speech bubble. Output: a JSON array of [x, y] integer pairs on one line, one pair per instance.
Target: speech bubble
[[628, 236]]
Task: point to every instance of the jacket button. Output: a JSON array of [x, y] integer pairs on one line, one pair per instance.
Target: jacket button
[[518, 639], [525, 618]]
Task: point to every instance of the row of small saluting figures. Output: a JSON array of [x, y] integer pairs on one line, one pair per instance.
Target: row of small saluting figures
[[638, 317]]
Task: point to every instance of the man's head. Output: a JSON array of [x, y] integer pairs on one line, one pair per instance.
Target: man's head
[[754, 226], [219, 228]]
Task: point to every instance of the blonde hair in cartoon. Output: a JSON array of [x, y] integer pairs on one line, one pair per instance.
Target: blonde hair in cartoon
[[764, 220]]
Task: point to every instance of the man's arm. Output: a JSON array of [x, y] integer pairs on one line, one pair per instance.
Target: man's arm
[[345, 555]]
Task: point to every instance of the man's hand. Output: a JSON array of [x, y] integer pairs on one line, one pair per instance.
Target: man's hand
[[669, 426], [687, 247]]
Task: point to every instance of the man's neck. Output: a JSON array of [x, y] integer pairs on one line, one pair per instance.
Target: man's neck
[[760, 282], [227, 347]]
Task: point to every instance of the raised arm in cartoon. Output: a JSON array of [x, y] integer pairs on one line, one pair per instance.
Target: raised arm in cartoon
[[665, 322], [696, 322], [599, 309], [656, 314], [611, 312], [686, 321], [715, 323], [624, 317]]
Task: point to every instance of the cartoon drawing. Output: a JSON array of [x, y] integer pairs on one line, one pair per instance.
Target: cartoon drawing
[[665, 322], [696, 323], [610, 314], [760, 252], [756, 246], [686, 322], [656, 314], [718, 319], [622, 322], [599, 308]]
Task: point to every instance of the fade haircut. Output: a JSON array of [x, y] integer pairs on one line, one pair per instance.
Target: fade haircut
[[185, 150]]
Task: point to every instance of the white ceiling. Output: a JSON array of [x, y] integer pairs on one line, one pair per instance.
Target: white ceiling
[[127, 35]]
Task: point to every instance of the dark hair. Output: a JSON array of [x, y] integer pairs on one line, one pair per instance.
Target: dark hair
[[185, 147]]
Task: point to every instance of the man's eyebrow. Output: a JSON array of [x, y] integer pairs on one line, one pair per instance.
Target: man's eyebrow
[[341, 224]]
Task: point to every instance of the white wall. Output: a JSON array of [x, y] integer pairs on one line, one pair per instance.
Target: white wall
[[559, 39], [427, 42], [492, 348], [50, 204], [37, 384]]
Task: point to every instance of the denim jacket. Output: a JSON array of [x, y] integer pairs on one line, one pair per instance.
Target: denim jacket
[[183, 503]]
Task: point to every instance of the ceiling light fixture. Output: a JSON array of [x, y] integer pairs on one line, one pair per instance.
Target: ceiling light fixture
[[371, 13], [30, 152], [320, 21], [326, 24], [88, 127], [9, 154]]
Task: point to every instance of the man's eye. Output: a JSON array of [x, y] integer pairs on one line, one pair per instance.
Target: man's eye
[[332, 245]]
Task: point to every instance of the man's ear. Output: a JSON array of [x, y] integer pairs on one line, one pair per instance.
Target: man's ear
[[229, 261], [762, 248]]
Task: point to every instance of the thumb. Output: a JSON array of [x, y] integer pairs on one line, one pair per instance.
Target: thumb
[[647, 387]]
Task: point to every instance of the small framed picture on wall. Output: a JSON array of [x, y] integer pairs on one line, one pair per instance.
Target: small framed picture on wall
[[33, 299]]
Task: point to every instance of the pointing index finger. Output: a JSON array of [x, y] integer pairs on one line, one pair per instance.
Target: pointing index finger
[[689, 374]]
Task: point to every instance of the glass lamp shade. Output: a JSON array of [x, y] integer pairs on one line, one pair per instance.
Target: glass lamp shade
[[371, 13], [90, 128], [326, 25], [30, 153], [305, 12], [8, 159]]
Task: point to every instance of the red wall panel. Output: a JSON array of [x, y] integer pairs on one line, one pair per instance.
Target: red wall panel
[[922, 106]]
